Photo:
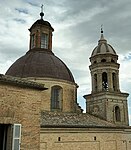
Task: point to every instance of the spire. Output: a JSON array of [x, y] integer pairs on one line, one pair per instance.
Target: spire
[[102, 29], [102, 39], [102, 36], [42, 14]]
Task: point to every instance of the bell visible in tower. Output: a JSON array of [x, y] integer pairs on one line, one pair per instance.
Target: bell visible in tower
[[104, 81], [106, 97]]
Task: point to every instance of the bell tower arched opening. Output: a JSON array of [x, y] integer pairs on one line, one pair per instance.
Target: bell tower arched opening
[[104, 81]]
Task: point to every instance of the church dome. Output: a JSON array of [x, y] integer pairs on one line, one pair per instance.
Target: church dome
[[103, 47], [40, 63]]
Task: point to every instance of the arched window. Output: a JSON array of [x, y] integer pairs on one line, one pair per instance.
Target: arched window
[[56, 98], [112, 60], [117, 113], [104, 81], [103, 60], [44, 40], [95, 81], [114, 81]]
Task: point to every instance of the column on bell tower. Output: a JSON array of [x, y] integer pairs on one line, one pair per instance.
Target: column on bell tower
[[117, 79], [110, 84], [99, 80]]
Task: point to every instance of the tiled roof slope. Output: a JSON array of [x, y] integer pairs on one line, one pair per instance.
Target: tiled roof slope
[[53, 119], [21, 82]]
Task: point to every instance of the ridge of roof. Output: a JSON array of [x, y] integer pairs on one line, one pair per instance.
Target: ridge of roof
[[59, 119], [21, 82]]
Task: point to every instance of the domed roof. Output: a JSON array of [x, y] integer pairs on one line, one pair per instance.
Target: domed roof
[[103, 48], [40, 63], [41, 22]]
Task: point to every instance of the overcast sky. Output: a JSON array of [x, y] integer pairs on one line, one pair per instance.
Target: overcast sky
[[77, 31]]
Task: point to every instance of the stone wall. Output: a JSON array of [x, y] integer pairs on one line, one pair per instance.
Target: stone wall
[[22, 106], [103, 104], [85, 138]]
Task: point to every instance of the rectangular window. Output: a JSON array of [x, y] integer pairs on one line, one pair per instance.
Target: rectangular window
[[5, 136], [44, 40], [56, 98], [10, 136], [16, 137]]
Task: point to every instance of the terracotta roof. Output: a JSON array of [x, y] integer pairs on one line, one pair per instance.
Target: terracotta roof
[[40, 63], [21, 82], [53, 119], [41, 22]]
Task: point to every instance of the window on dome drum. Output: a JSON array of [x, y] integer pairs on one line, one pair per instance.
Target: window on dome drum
[[10, 136], [44, 40], [104, 81], [112, 60], [117, 114], [95, 82], [56, 98], [114, 81], [103, 60], [32, 41]]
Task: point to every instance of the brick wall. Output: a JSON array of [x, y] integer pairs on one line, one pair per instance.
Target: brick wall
[[85, 138], [22, 106]]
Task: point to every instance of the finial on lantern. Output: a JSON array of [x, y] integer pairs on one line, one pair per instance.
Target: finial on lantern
[[102, 29], [42, 14]]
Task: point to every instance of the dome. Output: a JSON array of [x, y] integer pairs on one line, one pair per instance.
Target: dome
[[40, 63], [103, 48], [41, 22]]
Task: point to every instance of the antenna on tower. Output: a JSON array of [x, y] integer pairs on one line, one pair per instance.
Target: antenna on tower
[[42, 14]]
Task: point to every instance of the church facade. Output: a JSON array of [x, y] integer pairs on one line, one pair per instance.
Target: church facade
[[39, 109]]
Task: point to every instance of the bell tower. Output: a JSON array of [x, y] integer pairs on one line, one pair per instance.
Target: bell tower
[[104, 67], [106, 100]]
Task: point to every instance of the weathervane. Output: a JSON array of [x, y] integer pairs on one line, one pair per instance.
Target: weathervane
[[42, 14]]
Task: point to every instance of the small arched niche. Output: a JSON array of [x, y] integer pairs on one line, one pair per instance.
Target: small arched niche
[[117, 114]]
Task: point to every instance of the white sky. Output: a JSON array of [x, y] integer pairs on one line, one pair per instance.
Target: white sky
[[77, 30]]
